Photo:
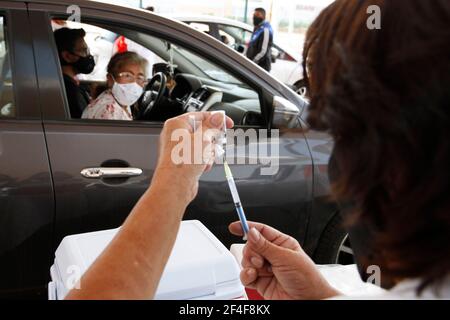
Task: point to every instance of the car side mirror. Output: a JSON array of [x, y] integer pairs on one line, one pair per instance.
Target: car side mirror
[[285, 114]]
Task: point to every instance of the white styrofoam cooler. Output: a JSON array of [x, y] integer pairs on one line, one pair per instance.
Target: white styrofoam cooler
[[199, 268]]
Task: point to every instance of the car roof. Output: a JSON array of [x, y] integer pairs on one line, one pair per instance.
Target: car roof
[[106, 6], [113, 8]]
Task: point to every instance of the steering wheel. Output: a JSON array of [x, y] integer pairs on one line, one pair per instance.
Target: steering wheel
[[153, 94]]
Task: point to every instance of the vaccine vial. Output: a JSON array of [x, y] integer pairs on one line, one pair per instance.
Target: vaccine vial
[[221, 140]]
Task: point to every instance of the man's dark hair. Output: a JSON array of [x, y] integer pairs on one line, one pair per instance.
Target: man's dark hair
[[66, 38], [151, 8], [262, 11]]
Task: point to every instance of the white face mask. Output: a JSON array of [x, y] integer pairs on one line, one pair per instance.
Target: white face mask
[[127, 94]]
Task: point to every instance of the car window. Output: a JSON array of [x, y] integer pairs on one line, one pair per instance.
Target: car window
[[7, 107], [211, 70], [174, 60], [240, 36], [227, 38], [202, 27], [103, 44]]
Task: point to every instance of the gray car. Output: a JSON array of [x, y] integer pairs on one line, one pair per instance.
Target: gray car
[[51, 165]]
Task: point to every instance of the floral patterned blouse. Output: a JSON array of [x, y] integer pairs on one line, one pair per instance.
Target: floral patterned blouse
[[105, 107]]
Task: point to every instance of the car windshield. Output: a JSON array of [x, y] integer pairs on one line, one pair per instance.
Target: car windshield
[[211, 70]]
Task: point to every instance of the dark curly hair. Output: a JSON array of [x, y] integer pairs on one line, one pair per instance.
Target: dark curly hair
[[384, 96]]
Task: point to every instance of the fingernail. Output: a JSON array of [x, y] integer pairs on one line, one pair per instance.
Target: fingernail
[[250, 271], [217, 120], [254, 235], [257, 262]]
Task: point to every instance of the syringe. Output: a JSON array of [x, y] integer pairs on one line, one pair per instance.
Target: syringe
[[236, 200]]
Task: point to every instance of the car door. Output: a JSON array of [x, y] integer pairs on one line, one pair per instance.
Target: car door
[[26, 195], [82, 204]]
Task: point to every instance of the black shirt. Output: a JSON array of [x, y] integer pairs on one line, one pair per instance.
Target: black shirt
[[77, 96]]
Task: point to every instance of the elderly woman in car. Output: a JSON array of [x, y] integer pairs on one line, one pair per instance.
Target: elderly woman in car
[[126, 80]]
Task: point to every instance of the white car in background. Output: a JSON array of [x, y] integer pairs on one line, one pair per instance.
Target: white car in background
[[286, 65]]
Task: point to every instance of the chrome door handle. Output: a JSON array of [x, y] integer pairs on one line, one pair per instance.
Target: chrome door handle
[[99, 173]]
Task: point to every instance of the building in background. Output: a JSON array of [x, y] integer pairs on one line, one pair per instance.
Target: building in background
[[289, 18]]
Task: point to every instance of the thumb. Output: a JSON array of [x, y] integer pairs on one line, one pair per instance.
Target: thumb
[[217, 120], [259, 244]]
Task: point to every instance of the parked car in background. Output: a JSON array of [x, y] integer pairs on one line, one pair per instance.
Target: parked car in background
[[51, 165], [286, 66]]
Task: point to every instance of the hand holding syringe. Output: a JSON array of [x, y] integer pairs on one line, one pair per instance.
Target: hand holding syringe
[[236, 199], [221, 152]]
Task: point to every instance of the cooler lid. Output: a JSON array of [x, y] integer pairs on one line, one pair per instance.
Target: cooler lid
[[198, 264]]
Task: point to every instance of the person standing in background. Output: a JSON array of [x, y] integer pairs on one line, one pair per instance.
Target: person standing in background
[[260, 46]]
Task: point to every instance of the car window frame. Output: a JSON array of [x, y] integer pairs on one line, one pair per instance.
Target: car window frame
[[266, 88], [9, 53], [101, 23], [22, 63]]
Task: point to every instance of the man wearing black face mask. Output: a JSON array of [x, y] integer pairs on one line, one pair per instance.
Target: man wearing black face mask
[[75, 59], [260, 46]]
